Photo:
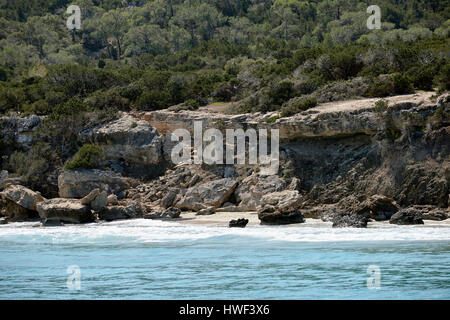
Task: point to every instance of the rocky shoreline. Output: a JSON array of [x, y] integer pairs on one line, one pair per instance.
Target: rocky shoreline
[[347, 163]]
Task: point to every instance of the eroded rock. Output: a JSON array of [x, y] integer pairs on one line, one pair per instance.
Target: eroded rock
[[209, 194], [407, 216], [79, 183], [66, 210], [130, 211], [239, 223]]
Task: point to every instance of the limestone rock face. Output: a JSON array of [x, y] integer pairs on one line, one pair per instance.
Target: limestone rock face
[[251, 190], [22, 196], [79, 183], [65, 210], [209, 194], [129, 143], [19, 131]]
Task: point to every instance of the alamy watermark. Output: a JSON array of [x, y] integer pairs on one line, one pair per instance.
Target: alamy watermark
[[74, 279], [374, 280], [209, 148], [374, 21], [74, 21]]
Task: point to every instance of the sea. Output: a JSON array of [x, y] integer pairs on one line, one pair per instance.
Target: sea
[[151, 259]]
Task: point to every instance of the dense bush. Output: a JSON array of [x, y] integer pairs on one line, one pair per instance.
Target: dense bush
[[297, 106], [88, 157]]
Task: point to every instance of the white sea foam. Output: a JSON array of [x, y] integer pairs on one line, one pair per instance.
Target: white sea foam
[[144, 231]]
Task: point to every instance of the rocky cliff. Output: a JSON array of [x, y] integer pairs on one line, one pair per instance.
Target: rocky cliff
[[345, 161]]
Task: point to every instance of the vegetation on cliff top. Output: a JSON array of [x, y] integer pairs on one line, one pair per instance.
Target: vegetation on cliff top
[[151, 54]]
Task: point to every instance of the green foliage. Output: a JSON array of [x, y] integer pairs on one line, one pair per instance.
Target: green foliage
[[443, 78], [298, 106], [30, 165], [272, 119], [381, 106], [192, 104], [87, 157], [151, 54]]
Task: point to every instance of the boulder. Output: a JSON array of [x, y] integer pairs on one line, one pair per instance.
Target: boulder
[[168, 199], [407, 216], [3, 221], [210, 194], [283, 201], [428, 212], [206, 212], [170, 213], [295, 184], [349, 220], [79, 183], [22, 196], [130, 211], [66, 210], [16, 213], [100, 201], [112, 200], [250, 190], [90, 197], [436, 214], [271, 216], [381, 207], [239, 223]]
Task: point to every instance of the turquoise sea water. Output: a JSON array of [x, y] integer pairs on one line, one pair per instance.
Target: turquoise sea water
[[145, 259]]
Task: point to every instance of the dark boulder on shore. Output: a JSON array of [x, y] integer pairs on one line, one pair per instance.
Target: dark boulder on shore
[[239, 223], [407, 216], [111, 213], [275, 217], [349, 220]]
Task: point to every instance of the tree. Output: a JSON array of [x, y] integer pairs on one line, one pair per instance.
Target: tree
[[112, 27]]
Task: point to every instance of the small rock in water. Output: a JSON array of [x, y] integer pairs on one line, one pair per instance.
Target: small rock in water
[[3, 221], [239, 223]]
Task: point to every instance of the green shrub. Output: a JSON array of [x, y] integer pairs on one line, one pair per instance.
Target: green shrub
[[442, 80], [32, 165], [154, 100], [402, 84], [381, 106], [272, 119], [384, 86], [88, 157], [299, 106], [194, 104]]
